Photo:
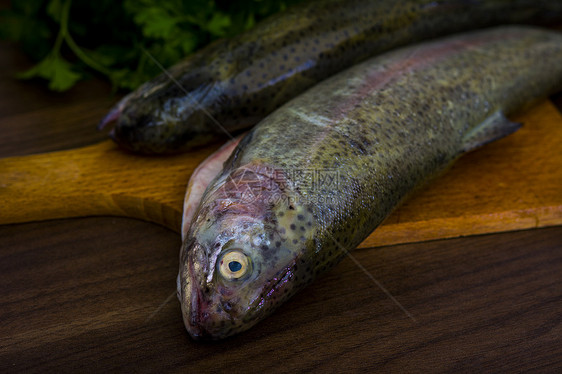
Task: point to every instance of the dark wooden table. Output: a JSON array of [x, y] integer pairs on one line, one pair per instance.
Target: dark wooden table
[[98, 294]]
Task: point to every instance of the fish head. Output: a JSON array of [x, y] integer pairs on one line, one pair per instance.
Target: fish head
[[164, 115], [241, 260]]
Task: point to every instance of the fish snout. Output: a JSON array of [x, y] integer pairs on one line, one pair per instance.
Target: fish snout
[[198, 317], [205, 320], [200, 314]]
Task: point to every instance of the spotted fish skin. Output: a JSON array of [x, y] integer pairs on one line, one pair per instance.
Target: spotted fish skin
[[234, 83], [318, 175]]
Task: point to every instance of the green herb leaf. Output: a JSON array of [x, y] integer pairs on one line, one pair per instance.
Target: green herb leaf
[[156, 22], [54, 9], [54, 69], [219, 24], [110, 37]]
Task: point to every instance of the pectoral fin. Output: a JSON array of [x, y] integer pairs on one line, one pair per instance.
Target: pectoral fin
[[200, 179], [492, 128]]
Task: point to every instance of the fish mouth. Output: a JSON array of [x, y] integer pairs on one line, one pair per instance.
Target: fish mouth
[[196, 315], [207, 316], [110, 117], [115, 112]]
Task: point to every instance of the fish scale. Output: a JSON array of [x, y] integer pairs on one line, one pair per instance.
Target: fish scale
[[330, 165], [234, 83]]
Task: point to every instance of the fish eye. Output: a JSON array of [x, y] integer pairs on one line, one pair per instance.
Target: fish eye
[[234, 265]]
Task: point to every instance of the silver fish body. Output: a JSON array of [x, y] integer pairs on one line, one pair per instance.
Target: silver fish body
[[317, 176]]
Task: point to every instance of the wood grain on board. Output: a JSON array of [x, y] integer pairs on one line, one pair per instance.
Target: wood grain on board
[[511, 184]]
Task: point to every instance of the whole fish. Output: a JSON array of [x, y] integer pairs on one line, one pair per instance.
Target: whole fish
[[318, 175], [234, 83]]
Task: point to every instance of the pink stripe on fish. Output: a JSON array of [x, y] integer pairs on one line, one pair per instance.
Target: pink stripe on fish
[[418, 59]]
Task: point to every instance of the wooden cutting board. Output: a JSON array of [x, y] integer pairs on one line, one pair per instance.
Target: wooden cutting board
[[515, 183]]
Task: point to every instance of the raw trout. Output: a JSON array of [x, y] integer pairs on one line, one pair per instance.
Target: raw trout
[[318, 175], [234, 83]]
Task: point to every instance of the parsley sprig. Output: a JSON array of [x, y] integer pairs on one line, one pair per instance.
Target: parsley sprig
[[74, 39]]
